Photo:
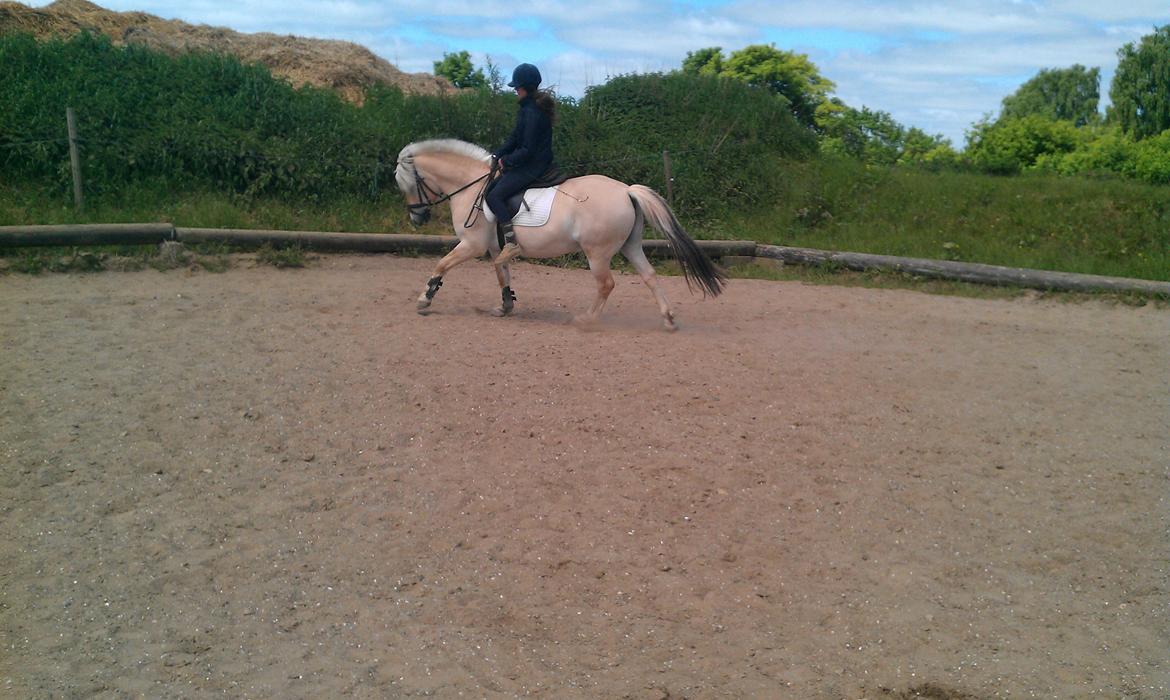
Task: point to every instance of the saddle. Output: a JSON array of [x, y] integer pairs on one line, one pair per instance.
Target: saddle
[[524, 199]]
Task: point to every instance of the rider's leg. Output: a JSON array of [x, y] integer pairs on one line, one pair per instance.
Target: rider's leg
[[497, 199]]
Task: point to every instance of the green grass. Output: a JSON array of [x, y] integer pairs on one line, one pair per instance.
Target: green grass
[[1095, 226], [153, 202], [288, 256]]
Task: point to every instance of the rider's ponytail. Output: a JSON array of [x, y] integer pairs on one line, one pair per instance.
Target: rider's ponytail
[[546, 102]]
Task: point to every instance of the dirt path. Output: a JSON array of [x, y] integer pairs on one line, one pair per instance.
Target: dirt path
[[286, 484]]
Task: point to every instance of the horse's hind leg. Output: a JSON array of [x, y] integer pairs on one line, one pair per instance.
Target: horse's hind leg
[[462, 253], [605, 284], [637, 257]]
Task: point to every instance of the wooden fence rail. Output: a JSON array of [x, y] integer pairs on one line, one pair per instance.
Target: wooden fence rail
[[139, 234]]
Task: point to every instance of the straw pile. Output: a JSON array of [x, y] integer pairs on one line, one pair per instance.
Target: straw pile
[[343, 66]]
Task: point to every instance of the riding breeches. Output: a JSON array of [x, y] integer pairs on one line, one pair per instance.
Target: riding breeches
[[501, 190]]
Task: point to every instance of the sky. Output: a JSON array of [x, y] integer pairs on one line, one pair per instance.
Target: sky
[[938, 66]]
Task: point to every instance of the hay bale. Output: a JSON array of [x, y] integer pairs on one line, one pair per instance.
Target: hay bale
[[342, 66]]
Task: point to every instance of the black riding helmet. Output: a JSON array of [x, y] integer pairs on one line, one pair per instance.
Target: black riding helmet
[[526, 76]]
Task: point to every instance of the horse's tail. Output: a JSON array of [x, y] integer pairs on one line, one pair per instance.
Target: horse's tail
[[696, 266]]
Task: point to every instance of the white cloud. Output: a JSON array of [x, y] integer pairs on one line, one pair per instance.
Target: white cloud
[[1156, 11], [898, 18], [670, 38], [303, 17]]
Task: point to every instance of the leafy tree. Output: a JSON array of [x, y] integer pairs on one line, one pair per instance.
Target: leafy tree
[[932, 152], [790, 75], [708, 61], [1061, 94], [918, 146], [495, 78], [457, 68], [868, 135], [786, 73], [1141, 86]]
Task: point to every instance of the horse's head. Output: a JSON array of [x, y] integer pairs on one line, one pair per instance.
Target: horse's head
[[414, 189], [445, 166]]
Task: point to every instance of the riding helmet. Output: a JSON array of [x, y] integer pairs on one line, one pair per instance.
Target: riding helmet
[[526, 76]]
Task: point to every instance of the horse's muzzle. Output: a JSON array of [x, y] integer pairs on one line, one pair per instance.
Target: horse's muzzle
[[420, 216]]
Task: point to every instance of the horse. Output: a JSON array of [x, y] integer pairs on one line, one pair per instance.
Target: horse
[[593, 214]]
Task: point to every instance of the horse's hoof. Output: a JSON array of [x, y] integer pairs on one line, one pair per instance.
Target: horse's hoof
[[669, 323], [585, 323], [500, 312]]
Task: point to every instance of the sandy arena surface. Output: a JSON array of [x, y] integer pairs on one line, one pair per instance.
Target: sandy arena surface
[[287, 484]]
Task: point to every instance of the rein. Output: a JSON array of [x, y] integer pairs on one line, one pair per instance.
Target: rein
[[425, 191]]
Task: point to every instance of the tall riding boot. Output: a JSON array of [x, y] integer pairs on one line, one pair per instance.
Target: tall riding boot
[[511, 248]]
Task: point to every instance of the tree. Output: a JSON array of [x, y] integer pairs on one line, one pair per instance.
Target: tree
[[457, 68], [708, 61], [1062, 94], [921, 149], [495, 78], [786, 73], [1141, 86], [870, 136]]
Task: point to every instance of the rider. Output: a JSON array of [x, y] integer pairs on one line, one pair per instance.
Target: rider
[[526, 155]]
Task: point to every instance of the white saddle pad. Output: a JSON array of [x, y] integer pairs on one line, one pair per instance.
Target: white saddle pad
[[539, 205]]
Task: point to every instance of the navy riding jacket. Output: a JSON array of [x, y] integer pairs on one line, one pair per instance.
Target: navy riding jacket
[[528, 151]]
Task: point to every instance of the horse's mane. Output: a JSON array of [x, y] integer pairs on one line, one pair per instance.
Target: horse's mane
[[405, 172]]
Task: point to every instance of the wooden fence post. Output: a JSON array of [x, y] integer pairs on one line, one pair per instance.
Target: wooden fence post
[[74, 157], [669, 178]]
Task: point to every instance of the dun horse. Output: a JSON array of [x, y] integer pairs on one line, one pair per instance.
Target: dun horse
[[593, 214]]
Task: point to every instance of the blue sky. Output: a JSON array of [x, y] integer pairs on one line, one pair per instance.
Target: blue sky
[[939, 66]]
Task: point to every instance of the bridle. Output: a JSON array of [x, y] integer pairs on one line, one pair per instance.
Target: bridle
[[422, 208]]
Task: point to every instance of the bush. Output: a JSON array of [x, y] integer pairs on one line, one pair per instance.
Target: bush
[[1153, 159], [1109, 151], [1008, 146], [1102, 151], [195, 120], [724, 137], [204, 121]]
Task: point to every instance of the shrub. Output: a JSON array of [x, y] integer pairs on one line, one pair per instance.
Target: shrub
[[1008, 146], [207, 121], [724, 137], [1153, 159], [195, 120]]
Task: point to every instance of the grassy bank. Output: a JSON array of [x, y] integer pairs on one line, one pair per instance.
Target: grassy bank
[[1095, 226]]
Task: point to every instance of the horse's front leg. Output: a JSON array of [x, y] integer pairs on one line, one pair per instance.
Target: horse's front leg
[[461, 253], [507, 296]]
